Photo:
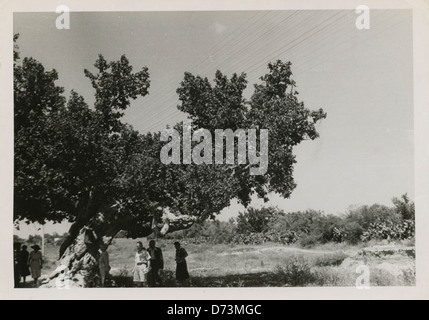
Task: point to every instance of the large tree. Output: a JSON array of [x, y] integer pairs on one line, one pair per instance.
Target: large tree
[[84, 165]]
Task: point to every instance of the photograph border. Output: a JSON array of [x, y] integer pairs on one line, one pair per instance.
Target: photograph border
[[421, 120]]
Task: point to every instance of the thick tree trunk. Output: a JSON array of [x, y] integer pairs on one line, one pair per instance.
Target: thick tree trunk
[[78, 264]]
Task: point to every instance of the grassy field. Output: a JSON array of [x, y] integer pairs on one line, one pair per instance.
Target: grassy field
[[268, 265]]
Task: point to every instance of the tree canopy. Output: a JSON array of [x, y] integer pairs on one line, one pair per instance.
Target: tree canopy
[[83, 164]]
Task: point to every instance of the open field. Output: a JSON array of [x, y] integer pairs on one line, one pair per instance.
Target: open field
[[268, 265]]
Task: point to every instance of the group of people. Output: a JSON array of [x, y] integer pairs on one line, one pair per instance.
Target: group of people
[[148, 265], [27, 263]]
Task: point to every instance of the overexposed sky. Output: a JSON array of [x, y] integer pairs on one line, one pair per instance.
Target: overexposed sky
[[361, 78]]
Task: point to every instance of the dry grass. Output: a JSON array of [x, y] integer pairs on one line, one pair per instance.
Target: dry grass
[[249, 266]]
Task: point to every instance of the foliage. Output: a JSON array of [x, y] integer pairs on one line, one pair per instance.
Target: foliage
[[308, 228], [409, 276], [214, 265], [17, 239], [404, 207], [82, 164], [382, 278], [250, 239], [296, 272], [34, 239], [215, 232], [309, 240], [282, 236], [359, 220], [221, 106], [327, 260], [255, 220], [388, 230]]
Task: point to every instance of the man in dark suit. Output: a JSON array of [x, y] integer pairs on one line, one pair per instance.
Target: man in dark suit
[[156, 264]]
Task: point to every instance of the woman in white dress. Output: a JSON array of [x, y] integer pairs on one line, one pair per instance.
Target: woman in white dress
[[141, 267]]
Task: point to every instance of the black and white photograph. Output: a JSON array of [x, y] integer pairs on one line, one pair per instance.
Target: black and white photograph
[[226, 148]]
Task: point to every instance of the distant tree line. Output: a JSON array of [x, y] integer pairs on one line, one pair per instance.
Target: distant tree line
[[52, 239], [310, 227]]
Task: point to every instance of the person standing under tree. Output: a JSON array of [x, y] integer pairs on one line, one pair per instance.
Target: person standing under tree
[[23, 263], [16, 271], [141, 266], [156, 264], [103, 263], [35, 261], [182, 274]]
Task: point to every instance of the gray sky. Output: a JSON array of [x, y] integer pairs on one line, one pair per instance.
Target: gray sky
[[361, 78]]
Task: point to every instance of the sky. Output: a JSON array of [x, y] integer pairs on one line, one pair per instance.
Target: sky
[[363, 79]]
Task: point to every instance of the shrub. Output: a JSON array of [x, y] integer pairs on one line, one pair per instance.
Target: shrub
[[169, 278], [409, 276], [327, 277], [123, 279], [338, 234], [388, 230], [404, 207], [330, 259], [309, 241], [308, 228], [249, 239], [382, 278], [301, 222], [296, 272], [215, 232], [255, 220], [365, 215], [284, 237], [353, 232]]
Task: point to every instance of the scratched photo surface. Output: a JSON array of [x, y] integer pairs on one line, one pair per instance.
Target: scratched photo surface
[[213, 149]]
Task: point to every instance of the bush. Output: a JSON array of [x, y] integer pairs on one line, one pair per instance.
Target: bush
[[215, 232], [327, 277], [296, 272], [353, 232], [382, 278], [255, 220], [249, 239], [404, 207], [284, 237], [169, 278], [409, 276], [300, 222], [123, 279], [309, 241], [388, 230], [330, 259], [308, 228]]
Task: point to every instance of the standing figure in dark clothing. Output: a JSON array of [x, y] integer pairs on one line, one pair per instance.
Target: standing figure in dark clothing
[[156, 264], [24, 269], [182, 274], [16, 271]]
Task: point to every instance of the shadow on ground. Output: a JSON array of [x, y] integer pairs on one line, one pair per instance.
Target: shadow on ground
[[261, 279]]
